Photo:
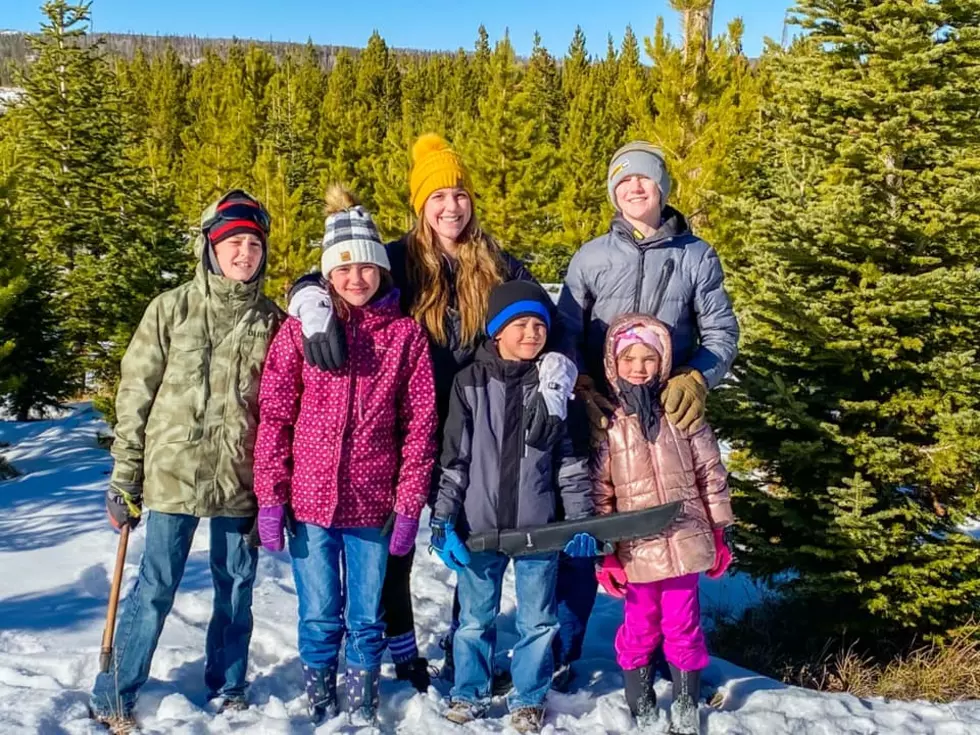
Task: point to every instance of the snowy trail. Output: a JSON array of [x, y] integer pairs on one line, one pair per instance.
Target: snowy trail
[[56, 555]]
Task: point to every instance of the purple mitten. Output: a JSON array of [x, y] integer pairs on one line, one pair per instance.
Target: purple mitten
[[403, 535], [272, 520]]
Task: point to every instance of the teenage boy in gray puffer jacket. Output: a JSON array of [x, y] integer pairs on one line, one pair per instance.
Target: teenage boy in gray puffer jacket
[[649, 262]]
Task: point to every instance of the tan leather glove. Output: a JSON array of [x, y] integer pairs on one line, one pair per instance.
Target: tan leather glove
[[684, 399], [597, 407]]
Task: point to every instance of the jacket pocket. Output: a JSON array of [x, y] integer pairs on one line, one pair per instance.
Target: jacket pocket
[[180, 400], [252, 355], [186, 361], [161, 432]]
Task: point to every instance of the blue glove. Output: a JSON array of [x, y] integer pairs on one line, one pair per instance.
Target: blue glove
[[448, 545], [582, 545]]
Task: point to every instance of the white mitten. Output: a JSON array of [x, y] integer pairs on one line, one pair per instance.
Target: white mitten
[[557, 375], [313, 306], [324, 344]]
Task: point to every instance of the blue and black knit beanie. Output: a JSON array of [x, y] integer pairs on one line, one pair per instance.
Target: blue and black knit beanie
[[515, 299]]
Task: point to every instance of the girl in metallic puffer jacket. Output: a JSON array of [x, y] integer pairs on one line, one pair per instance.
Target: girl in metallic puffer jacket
[[647, 461]]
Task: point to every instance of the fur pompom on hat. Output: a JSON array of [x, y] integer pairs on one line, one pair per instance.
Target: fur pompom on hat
[[435, 165], [350, 236]]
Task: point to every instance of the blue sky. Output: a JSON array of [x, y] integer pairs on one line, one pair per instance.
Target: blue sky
[[406, 23]]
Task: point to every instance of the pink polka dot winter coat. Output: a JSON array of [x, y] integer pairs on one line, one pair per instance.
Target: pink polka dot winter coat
[[344, 448]]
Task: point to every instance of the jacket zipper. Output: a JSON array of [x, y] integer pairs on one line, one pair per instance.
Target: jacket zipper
[[665, 275], [662, 283], [349, 414], [639, 279], [353, 379]]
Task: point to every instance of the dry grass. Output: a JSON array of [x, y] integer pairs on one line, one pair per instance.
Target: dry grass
[[770, 640], [942, 672]]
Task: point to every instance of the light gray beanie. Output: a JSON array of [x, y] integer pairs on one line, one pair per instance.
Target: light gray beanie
[[639, 158]]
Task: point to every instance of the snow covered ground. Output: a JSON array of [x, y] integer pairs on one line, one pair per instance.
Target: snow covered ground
[[56, 555]]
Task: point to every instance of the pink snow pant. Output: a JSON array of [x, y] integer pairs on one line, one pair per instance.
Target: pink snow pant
[[666, 611]]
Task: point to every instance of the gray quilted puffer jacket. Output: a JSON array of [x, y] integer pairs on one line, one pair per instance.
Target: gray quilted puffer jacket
[[671, 275]]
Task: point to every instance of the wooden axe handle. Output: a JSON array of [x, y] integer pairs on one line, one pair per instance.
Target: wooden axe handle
[[105, 655]]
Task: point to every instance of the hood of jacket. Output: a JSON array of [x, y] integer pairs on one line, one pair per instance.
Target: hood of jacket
[[628, 321]]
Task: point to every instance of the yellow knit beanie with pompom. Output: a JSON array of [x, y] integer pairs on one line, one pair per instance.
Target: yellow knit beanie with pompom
[[435, 166]]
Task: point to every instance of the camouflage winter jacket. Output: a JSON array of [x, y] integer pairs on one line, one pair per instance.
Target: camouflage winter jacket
[[187, 407]]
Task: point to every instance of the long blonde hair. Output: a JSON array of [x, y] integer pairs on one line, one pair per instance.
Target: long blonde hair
[[480, 267]]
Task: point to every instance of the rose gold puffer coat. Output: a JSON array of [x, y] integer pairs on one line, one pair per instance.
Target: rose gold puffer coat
[[631, 473]]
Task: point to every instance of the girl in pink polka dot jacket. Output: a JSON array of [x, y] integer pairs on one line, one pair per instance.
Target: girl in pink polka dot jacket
[[338, 450]]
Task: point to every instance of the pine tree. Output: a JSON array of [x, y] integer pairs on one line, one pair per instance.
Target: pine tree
[[376, 110], [632, 104], [92, 223], [575, 66], [513, 165], [159, 106], [705, 98], [13, 284], [285, 179], [335, 144], [32, 377], [588, 138], [543, 84], [854, 417], [225, 100]]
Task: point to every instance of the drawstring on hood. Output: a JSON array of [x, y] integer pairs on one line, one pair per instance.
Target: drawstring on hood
[[227, 292]]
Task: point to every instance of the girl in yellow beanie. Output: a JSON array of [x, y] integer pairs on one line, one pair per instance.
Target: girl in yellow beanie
[[444, 268]]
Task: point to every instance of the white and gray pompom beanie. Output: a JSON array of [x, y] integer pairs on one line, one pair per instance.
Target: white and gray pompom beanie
[[350, 238]]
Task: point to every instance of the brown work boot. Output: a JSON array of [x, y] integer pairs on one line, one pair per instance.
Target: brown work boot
[[527, 719], [461, 713]]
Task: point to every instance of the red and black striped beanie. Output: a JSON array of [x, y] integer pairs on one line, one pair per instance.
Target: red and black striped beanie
[[238, 207]]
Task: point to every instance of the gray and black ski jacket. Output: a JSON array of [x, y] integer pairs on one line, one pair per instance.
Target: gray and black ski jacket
[[671, 275], [491, 479]]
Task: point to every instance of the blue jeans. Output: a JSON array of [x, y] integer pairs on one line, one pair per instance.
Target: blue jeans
[[479, 587], [575, 595], [327, 600], [168, 542]]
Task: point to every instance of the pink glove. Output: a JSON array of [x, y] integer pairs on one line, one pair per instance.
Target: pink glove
[[272, 521], [723, 555], [403, 535], [612, 576]]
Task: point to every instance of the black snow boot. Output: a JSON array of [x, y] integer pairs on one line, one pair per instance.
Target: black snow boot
[[321, 690], [640, 696], [447, 672], [684, 717], [502, 683], [362, 696], [415, 671], [561, 680]]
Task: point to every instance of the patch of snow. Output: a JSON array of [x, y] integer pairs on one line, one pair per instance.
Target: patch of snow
[[972, 528], [9, 96], [56, 556]]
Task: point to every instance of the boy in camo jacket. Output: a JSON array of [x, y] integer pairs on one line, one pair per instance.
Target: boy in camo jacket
[[187, 416]]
